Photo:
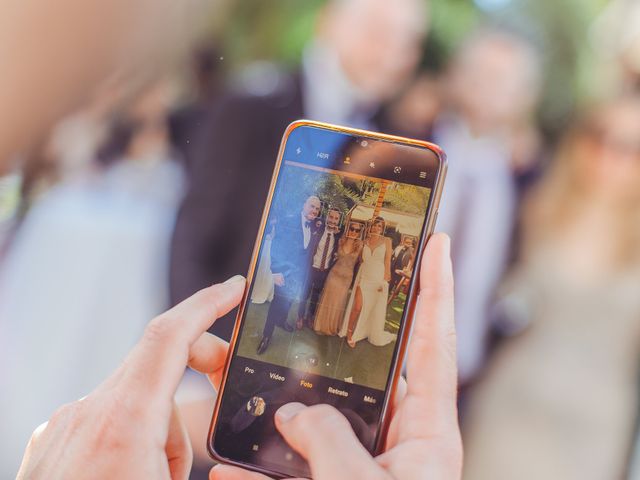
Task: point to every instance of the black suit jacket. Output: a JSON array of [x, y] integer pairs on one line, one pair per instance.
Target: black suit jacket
[[288, 254], [400, 261], [232, 163], [334, 249]]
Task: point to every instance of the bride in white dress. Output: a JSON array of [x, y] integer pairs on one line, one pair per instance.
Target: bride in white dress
[[366, 311]]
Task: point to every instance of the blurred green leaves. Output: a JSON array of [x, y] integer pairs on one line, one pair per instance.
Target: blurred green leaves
[[278, 30], [268, 30]]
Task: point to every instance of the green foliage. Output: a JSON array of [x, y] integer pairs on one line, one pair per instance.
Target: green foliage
[[296, 185], [451, 21], [406, 198], [277, 30], [269, 30], [333, 190]]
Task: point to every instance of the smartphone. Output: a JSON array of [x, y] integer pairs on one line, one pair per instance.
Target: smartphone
[[331, 290]]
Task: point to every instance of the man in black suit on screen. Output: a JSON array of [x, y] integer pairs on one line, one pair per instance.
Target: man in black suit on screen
[[296, 237], [400, 259], [322, 259]]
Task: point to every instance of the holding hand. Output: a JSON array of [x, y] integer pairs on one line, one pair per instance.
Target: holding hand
[[129, 427], [423, 440], [278, 279]]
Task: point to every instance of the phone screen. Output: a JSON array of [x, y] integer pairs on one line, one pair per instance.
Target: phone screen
[[327, 300]]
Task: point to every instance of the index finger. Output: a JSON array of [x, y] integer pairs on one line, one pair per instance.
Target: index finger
[[431, 362], [156, 364]]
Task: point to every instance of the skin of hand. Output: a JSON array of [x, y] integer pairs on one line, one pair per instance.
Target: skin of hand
[[129, 427], [278, 279], [423, 441]]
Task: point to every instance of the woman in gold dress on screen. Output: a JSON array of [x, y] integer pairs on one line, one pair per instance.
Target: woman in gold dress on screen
[[335, 294]]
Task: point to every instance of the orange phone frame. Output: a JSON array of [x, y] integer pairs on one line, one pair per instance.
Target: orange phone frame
[[398, 359]]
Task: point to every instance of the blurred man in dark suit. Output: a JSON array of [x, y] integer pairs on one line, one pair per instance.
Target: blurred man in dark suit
[[295, 241], [362, 54]]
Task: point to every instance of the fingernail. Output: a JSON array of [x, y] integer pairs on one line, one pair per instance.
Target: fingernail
[[234, 279], [288, 411]]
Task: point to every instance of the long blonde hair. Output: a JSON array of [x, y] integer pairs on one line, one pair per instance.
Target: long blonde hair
[[555, 202]]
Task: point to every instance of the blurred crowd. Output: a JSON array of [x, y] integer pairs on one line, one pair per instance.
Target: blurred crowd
[[153, 188]]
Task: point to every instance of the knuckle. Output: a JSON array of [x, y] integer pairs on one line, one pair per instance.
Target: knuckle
[[158, 329], [67, 418], [63, 413], [211, 299], [37, 432], [112, 427]]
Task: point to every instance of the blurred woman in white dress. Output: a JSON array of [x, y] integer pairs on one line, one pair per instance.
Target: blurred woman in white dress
[[365, 316]]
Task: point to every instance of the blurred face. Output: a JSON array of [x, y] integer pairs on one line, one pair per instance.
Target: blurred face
[[377, 228], [354, 230], [311, 208], [408, 242], [608, 149], [378, 42], [333, 219], [493, 82]]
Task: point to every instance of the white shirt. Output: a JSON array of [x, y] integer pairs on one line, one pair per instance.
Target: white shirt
[[317, 258], [306, 231]]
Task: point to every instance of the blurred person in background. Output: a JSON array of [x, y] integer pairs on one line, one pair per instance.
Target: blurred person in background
[[491, 90], [362, 54], [414, 112], [188, 119], [616, 41], [95, 248], [559, 399]]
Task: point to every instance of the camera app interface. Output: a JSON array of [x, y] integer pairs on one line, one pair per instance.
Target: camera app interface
[[328, 295]]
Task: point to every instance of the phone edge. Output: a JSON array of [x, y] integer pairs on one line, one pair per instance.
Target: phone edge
[[396, 369]]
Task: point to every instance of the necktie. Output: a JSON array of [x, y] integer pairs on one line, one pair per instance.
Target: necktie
[[325, 251]]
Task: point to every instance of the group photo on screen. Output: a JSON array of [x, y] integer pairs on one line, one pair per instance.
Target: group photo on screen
[[332, 276]]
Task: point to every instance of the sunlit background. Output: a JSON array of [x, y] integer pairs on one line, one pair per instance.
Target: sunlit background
[[125, 199]]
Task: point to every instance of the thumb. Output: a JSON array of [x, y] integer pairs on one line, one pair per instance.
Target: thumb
[[324, 437]]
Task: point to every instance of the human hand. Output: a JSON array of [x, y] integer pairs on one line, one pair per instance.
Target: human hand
[[129, 427], [423, 439], [278, 279]]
